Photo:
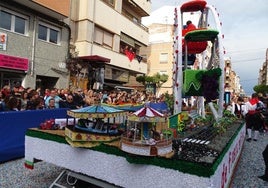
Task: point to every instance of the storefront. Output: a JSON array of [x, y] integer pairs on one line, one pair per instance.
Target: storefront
[[12, 69]]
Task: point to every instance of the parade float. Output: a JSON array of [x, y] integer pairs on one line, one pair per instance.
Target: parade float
[[205, 144]]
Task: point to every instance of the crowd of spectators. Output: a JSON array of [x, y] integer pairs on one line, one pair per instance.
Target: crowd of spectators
[[19, 98]]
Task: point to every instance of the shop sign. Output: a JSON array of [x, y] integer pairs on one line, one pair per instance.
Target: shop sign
[[13, 62], [3, 41]]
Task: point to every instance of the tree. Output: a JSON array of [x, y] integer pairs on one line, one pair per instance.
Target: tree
[[157, 79], [141, 79], [261, 88]]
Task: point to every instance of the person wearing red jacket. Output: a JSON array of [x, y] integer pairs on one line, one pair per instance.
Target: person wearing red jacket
[[190, 26], [252, 116]]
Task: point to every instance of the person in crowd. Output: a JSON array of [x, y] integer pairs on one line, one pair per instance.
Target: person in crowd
[[39, 91], [31, 104], [2, 103], [46, 93], [13, 104], [39, 103], [69, 103], [16, 90], [237, 106], [24, 100], [111, 97], [6, 91], [78, 97], [89, 98], [242, 105], [63, 94], [265, 158], [54, 95], [51, 104], [253, 118]]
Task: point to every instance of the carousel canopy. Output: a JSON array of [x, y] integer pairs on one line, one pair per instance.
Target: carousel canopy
[[126, 107], [147, 114], [96, 111]]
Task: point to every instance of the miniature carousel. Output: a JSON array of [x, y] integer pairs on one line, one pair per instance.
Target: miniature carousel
[[143, 135], [94, 125]]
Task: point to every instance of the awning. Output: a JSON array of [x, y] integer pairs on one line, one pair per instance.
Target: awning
[[95, 58]]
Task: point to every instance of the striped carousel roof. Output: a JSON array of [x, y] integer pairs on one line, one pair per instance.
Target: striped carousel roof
[[147, 114]]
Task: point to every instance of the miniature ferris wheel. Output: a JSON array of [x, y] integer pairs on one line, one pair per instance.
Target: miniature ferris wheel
[[198, 56]]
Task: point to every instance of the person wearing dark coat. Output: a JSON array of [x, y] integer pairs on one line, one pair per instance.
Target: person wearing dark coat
[[69, 103], [265, 158]]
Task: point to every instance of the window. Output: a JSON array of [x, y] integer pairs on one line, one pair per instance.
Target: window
[[53, 37], [42, 32], [103, 37], [163, 58], [5, 20], [109, 2], [14, 22], [19, 25], [48, 33], [161, 72]]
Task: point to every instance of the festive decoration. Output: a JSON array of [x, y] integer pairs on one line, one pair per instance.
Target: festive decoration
[[191, 85], [130, 53], [210, 83], [139, 58], [142, 137]]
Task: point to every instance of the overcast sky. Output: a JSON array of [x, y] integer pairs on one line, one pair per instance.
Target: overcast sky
[[245, 29]]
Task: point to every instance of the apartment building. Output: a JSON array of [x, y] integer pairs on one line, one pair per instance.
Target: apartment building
[[263, 73], [34, 44], [73, 43], [231, 79], [106, 39], [159, 53]]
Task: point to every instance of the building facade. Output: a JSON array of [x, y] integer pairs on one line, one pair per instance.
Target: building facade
[[159, 53], [106, 40], [263, 72], [232, 80], [34, 44], [66, 44]]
